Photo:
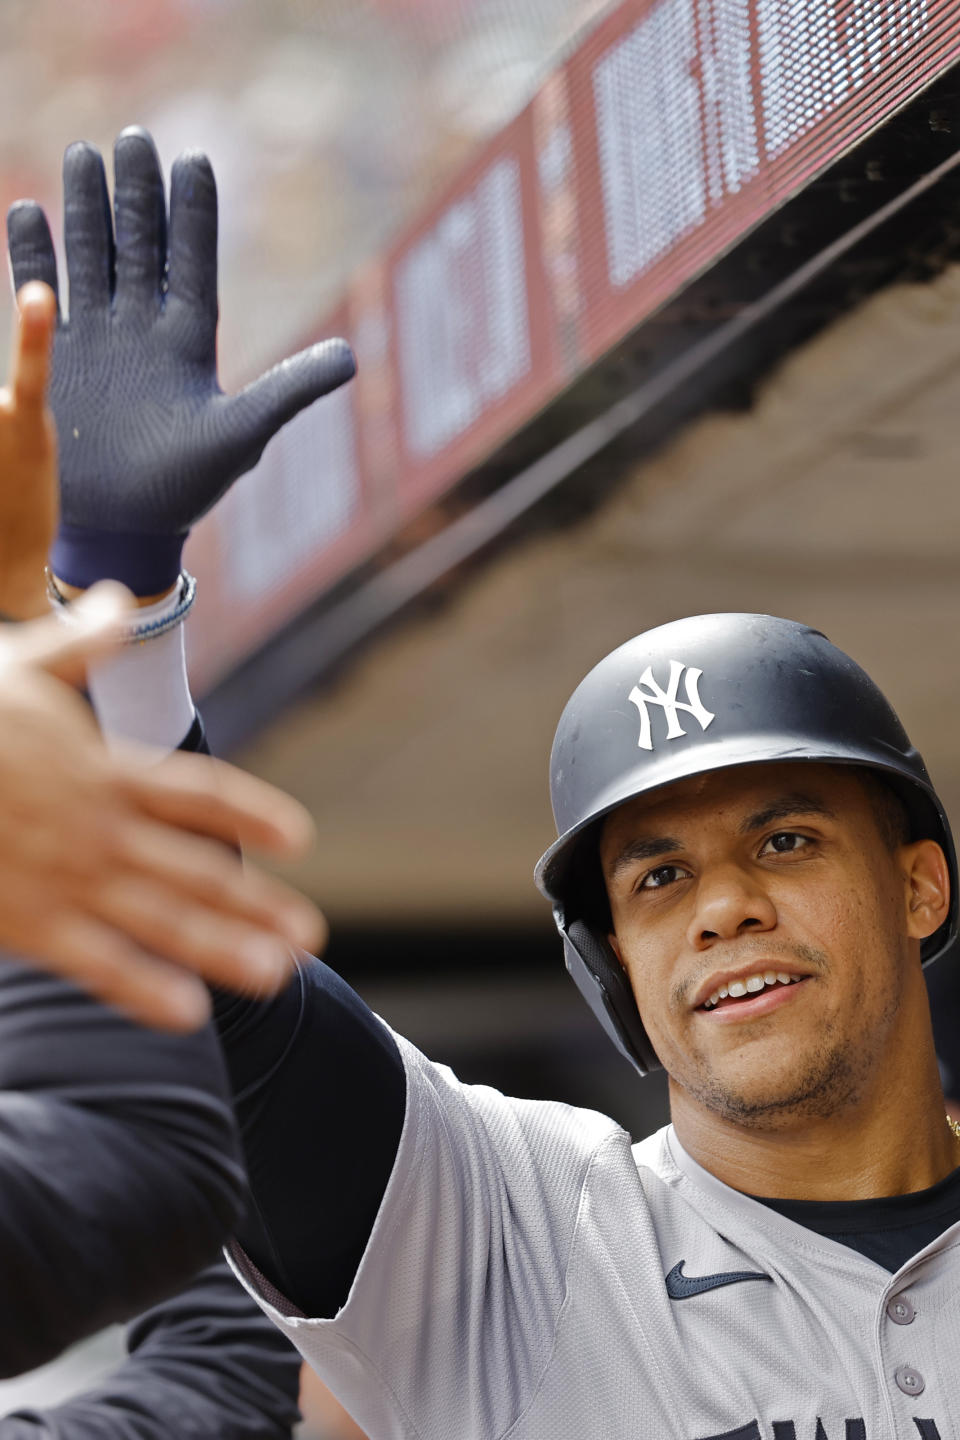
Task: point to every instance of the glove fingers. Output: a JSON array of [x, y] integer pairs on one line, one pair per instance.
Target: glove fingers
[[87, 229], [262, 408], [141, 220], [30, 243], [193, 233]]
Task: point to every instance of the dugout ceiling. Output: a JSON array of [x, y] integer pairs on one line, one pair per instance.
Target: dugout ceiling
[[834, 500]]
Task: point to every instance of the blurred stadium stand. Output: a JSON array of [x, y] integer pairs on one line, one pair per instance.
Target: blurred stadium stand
[[407, 690]]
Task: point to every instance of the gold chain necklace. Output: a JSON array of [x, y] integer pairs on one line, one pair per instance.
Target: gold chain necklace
[[954, 1126]]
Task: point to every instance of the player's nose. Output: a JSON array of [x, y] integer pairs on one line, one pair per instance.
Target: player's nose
[[729, 902]]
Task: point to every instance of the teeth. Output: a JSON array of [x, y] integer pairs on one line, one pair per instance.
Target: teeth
[[752, 985]]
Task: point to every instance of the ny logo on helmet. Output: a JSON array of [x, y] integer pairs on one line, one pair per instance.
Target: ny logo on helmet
[[648, 692]]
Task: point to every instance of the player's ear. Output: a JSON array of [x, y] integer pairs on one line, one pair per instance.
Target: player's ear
[[927, 878]]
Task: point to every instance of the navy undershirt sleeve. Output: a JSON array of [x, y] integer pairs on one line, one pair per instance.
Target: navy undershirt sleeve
[[320, 1093]]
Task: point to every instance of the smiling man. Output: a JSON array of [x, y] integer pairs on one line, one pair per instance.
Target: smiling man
[[751, 870], [768, 945]]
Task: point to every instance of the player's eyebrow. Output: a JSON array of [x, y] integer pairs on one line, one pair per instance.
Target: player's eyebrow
[[786, 807], [644, 848]]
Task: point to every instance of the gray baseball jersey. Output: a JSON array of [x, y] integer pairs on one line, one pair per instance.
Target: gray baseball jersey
[[533, 1276]]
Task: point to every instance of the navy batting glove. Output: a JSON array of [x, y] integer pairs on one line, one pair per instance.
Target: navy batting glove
[[148, 441]]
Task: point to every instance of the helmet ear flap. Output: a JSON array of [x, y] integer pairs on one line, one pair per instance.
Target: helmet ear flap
[[599, 977]]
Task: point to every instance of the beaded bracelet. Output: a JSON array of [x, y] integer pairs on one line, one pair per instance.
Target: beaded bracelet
[[150, 629]]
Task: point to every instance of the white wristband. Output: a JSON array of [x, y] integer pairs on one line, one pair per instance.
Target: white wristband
[[141, 692]]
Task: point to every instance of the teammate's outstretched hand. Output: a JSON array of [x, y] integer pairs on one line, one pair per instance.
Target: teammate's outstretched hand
[[28, 460], [114, 873], [148, 442]]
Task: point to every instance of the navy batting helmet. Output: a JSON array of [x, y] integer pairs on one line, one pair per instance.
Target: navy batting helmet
[[701, 694]]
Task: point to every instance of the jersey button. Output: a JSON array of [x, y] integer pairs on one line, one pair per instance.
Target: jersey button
[[900, 1310], [910, 1381]]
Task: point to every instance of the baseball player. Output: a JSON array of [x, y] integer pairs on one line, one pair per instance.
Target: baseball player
[[751, 870]]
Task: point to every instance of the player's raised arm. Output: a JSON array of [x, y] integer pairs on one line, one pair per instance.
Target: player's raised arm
[[108, 873], [140, 342], [148, 441], [131, 489]]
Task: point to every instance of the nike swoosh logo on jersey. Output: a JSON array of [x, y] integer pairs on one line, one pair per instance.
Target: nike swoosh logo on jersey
[[681, 1287]]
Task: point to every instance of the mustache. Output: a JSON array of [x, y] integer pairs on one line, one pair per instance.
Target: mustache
[[813, 960]]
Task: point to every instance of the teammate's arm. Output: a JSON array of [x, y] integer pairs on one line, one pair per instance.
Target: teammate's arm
[[207, 1357], [114, 873], [120, 1171]]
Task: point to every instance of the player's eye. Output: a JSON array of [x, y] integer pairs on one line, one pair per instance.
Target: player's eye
[[785, 842], [663, 875]]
